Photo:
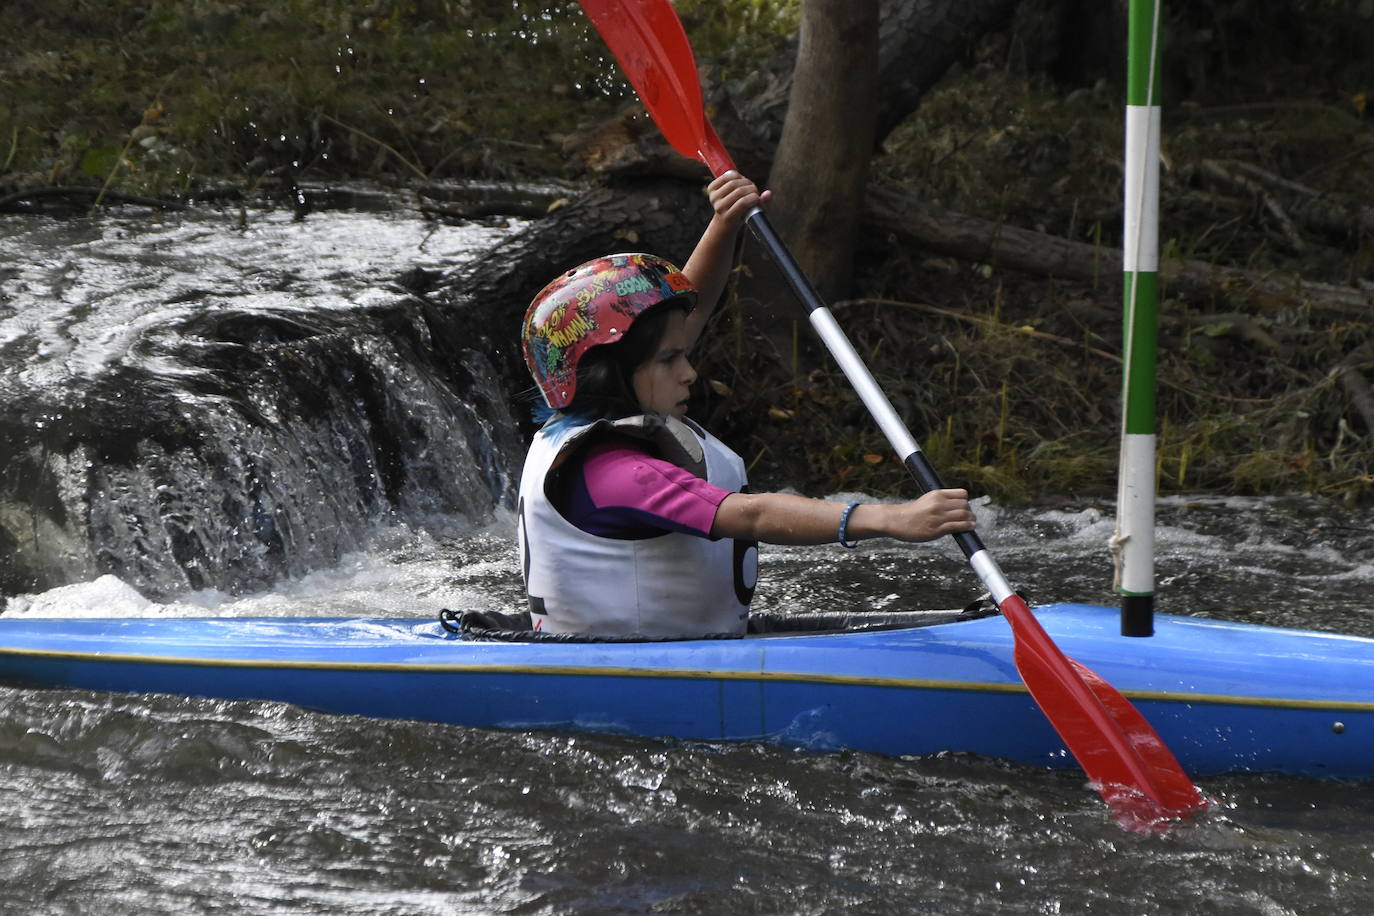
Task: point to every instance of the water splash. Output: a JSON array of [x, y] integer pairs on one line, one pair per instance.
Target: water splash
[[193, 402]]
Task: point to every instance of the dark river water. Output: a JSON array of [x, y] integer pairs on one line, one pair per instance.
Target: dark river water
[[153, 804]]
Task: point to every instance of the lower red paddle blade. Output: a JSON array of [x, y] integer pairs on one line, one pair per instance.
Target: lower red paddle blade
[[1125, 758]]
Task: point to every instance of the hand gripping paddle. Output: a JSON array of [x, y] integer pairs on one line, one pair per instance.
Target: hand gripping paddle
[[1137, 776]]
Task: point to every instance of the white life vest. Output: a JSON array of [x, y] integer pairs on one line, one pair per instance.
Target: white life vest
[[666, 586]]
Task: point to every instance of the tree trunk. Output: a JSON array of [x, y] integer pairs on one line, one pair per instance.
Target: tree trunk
[[819, 175], [821, 167], [920, 40], [1077, 42]]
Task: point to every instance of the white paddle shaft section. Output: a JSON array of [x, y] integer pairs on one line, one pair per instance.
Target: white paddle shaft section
[[837, 342], [987, 569]]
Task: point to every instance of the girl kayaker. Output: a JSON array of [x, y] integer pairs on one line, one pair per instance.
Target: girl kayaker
[[634, 521]]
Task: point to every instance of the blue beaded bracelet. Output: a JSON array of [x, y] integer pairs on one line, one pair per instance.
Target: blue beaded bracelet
[[844, 525]]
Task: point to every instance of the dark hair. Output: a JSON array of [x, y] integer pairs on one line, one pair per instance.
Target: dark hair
[[605, 386]]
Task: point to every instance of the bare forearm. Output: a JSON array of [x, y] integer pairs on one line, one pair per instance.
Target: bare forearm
[[781, 518], [732, 198], [709, 268]]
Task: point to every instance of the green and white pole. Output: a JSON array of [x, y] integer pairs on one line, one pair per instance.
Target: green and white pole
[[1132, 545]]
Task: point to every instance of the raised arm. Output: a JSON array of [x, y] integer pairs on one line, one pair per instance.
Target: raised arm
[[782, 518], [732, 197]]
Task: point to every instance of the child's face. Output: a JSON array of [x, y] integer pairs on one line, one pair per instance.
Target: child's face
[[664, 381]]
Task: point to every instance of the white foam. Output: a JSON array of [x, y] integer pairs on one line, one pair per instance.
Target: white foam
[[107, 596], [406, 573]]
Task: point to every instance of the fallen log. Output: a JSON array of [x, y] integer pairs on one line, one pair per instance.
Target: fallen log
[[914, 222], [64, 200]]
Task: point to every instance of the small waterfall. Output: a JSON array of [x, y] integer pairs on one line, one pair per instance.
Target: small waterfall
[[186, 414]]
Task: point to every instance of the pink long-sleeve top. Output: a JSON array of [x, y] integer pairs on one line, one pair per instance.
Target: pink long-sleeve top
[[624, 492]]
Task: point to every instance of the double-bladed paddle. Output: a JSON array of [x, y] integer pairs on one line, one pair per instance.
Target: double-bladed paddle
[[1136, 774]]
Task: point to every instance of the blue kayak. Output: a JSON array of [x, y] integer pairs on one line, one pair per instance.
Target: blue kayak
[[1225, 697]]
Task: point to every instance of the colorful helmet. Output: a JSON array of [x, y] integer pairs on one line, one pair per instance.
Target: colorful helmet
[[588, 306]]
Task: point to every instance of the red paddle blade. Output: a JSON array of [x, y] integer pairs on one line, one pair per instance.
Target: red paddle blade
[[1171, 787], [1129, 764], [648, 41]]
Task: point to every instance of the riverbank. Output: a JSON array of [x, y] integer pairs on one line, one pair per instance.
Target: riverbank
[[1009, 377]]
